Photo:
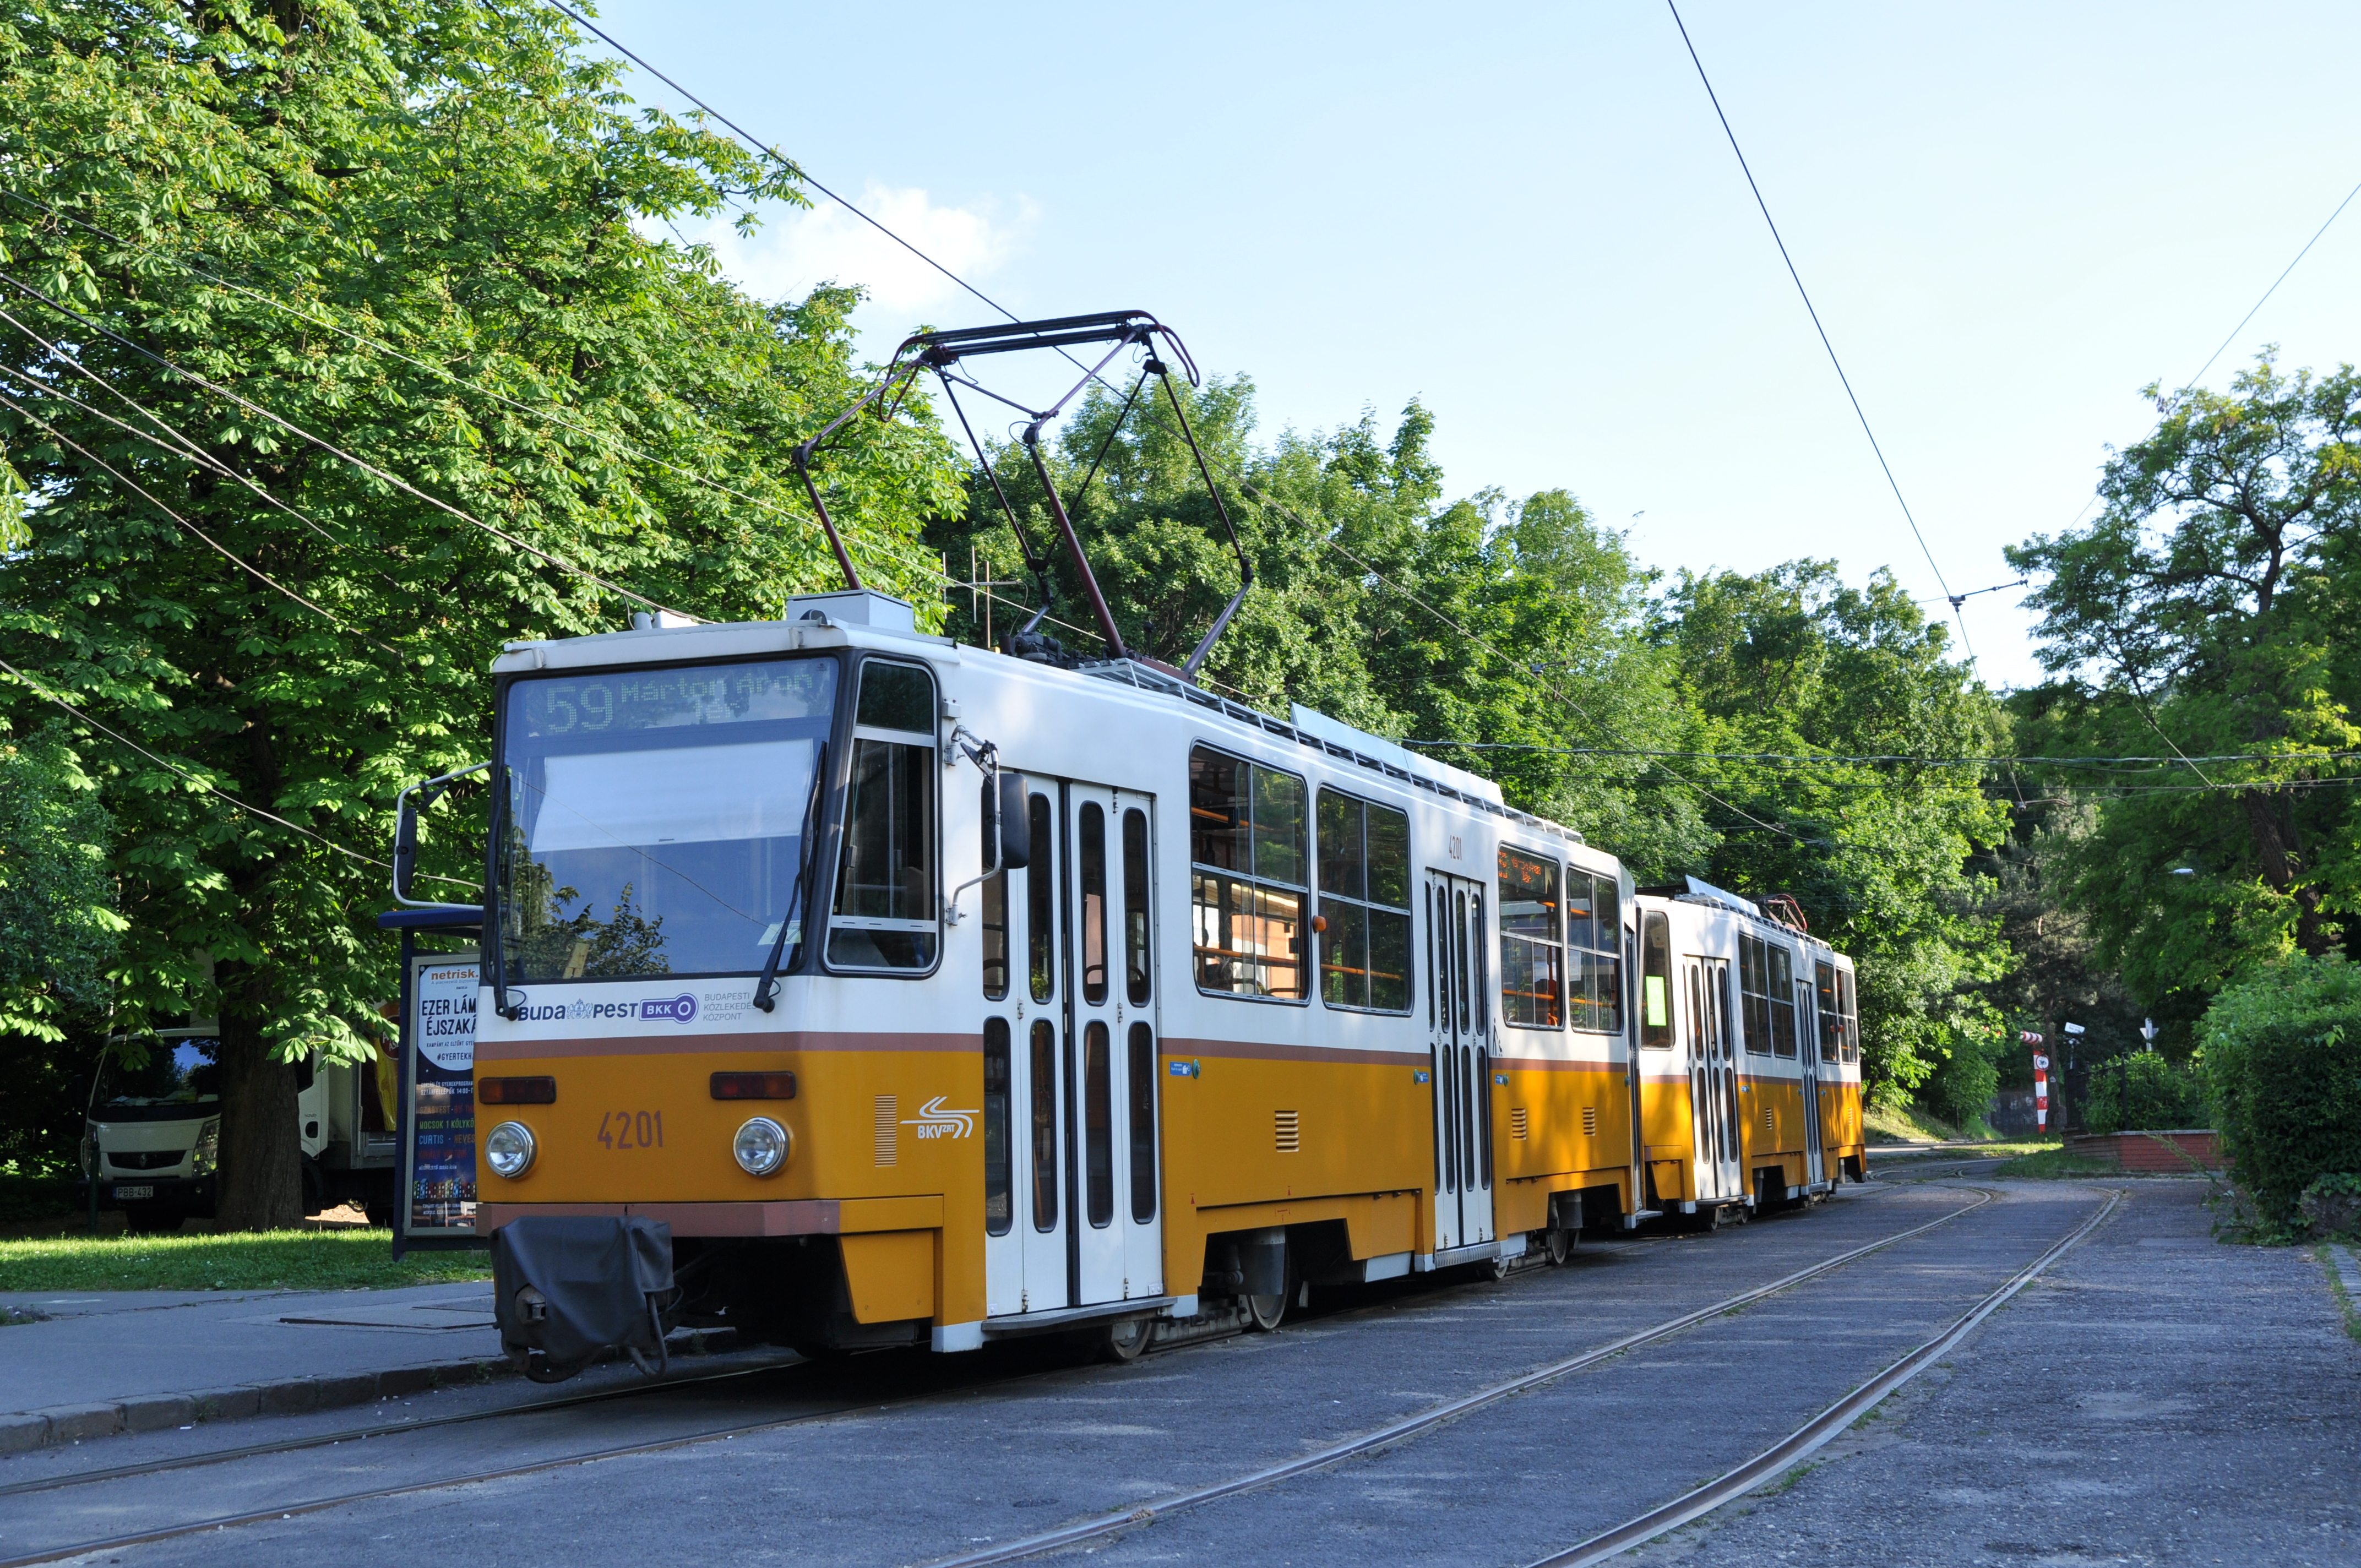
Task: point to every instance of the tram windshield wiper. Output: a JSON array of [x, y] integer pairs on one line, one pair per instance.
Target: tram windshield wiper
[[769, 983]]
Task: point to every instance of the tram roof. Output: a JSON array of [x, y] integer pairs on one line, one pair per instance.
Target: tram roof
[[668, 640]]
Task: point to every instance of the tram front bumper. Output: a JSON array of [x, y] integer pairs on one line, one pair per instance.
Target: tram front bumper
[[570, 1288]]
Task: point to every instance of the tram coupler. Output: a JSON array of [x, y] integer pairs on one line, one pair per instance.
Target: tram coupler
[[571, 1289]]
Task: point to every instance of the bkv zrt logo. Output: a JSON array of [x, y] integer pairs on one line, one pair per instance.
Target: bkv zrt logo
[[933, 1122]]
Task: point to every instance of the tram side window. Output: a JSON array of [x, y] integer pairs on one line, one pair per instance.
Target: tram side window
[[1091, 858], [1040, 904], [1141, 1083], [1532, 942], [995, 917], [1783, 998], [1365, 901], [1754, 991], [1852, 1015], [1656, 982], [1247, 853], [1824, 986], [885, 916], [1135, 950], [998, 1210], [1593, 969]]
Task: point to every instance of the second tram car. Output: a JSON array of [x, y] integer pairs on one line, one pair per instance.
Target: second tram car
[[880, 990]]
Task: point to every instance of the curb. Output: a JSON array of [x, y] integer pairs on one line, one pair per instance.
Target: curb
[[22, 1431]]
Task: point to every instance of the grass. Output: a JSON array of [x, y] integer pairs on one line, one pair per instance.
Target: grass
[[2344, 1301], [264, 1260], [2057, 1164], [1888, 1156], [1907, 1124]]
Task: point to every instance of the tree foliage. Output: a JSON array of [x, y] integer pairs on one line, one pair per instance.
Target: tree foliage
[[2208, 613], [456, 182], [1522, 641], [1792, 663], [59, 927]]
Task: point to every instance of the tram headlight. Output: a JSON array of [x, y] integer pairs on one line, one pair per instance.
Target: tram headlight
[[509, 1149], [762, 1147]]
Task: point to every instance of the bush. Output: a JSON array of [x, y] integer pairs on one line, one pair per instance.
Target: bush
[[2143, 1092], [1961, 1087], [2282, 1054]]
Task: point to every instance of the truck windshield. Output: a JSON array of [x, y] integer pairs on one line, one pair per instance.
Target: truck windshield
[[141, 1080], [654, 818]]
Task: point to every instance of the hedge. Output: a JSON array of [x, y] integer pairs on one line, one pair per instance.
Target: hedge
[[2282, 1054]]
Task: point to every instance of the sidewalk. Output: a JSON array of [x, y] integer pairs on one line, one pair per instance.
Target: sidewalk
[[95, 1363]]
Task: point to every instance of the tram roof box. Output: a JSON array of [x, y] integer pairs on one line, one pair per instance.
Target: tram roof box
[[856, 607]]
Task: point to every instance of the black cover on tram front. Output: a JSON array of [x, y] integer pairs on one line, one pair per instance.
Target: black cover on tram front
[[572, 1287]]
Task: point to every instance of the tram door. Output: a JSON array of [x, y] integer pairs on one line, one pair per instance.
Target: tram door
[[1807, 1026], [1459, 1019], [1073, 1152], [1713, 1078]]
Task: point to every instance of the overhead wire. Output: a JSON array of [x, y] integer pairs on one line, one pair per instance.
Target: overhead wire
[[1896, 485], [180, 446], [330, 447], [2273, 289], [866, 544], [210, 788], [1237, 476], [1873, 757], [232, 556]]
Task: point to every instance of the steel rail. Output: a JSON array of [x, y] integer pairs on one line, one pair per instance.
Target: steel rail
[[1411, 1426], [317, 1504], [1807, 1439], [285, 1510], [387, 1429]]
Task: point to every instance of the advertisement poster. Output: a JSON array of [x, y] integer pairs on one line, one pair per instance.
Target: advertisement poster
[[441, 1164]]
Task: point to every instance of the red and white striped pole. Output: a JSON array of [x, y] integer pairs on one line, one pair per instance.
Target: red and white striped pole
[[2040, 1080]]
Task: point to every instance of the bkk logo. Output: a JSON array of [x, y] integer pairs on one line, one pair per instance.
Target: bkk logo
[[680, 1009]]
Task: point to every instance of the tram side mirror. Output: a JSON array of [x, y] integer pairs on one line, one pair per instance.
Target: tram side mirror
[[405, 847], [1006, 818]]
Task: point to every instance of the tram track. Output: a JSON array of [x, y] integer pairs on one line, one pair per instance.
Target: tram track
[[383, 1430], [1435, 1416], [1396, 1432], [1807, 1439]]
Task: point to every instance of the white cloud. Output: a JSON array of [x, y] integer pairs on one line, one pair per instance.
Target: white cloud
[[796, 250]]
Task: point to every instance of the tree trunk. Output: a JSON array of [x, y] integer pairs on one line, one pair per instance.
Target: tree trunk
[[2272, 830], [261, 1148]]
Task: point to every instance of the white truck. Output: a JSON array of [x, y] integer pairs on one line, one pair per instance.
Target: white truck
[[151, 1136]]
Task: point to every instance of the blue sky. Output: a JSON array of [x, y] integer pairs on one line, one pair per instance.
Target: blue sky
[[2011, 218]]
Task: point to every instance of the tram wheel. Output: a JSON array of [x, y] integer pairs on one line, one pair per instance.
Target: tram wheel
[[1125, 1342], [1557, 1245]]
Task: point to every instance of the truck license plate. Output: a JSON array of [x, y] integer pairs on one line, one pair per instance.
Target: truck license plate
[[133, 1194]]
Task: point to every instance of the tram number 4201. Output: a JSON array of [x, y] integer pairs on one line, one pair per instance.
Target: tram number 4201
[[631, 1130]]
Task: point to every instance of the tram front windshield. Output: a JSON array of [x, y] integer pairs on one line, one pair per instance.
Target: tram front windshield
[[654, 818]]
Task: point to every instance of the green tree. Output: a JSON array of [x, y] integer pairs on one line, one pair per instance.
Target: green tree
[[453, 181], [1501, 634], [59, 927], [1791, 662], [2208, 612]]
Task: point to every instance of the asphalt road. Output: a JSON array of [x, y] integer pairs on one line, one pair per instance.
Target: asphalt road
[[902, 1458]]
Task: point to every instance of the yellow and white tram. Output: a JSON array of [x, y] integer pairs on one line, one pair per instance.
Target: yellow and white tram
[[1268, 1003], [858, 988]]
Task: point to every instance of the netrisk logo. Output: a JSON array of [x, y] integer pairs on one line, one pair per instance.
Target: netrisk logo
[[933, 1122]]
